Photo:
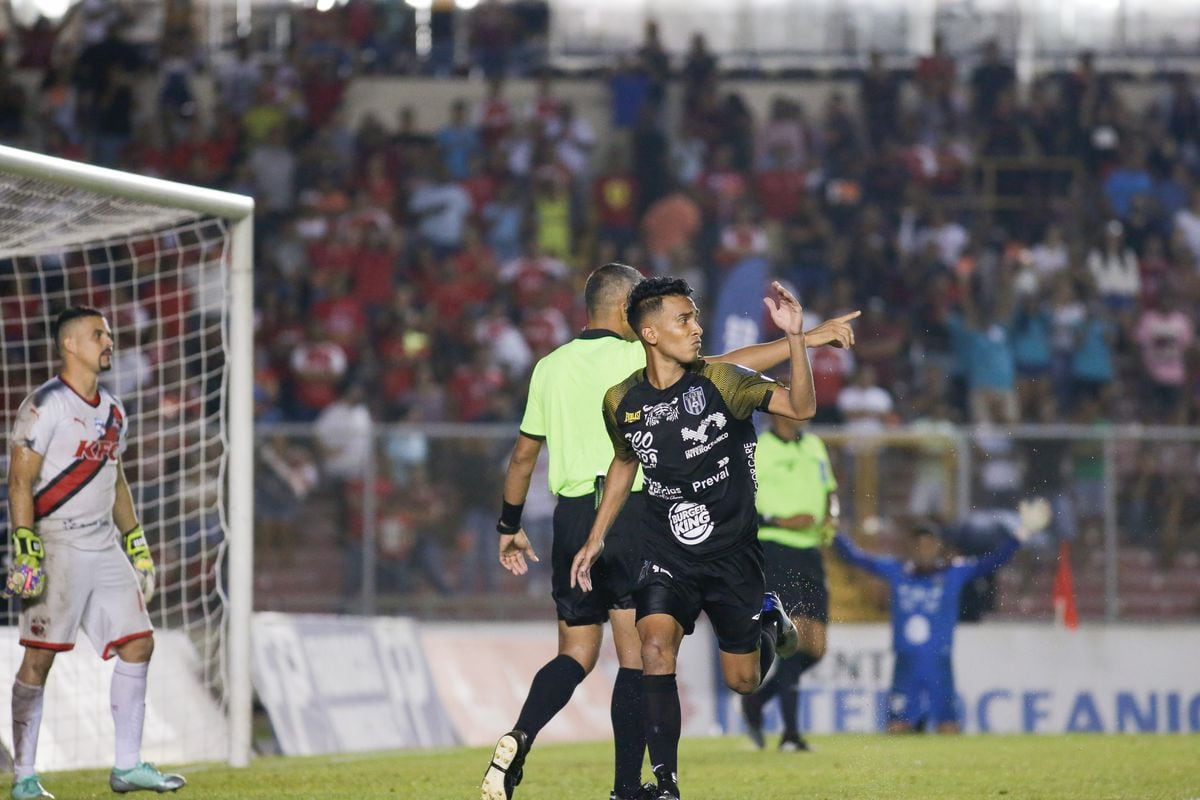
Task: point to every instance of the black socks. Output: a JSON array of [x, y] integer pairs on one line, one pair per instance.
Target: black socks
[[663, 723], [629, 731], [552, 687]]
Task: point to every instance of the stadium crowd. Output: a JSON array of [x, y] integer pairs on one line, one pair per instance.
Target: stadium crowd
[[418, 274]]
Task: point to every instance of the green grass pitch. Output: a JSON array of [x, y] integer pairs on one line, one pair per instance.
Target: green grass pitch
[[866, 767]]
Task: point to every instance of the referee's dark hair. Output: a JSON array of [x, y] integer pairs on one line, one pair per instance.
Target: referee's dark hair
[[608, 287], [66, 317], [646, 298]]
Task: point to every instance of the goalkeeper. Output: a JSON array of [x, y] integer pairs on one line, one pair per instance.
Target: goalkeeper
[[925, 592], [79, 556]]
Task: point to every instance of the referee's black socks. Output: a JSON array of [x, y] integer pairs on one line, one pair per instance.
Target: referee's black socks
[[629, 731], [663, 724], [552, 687]]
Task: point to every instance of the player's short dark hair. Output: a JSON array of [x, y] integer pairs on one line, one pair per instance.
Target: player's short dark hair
[[69, 315], [647, 297], [609, 286]]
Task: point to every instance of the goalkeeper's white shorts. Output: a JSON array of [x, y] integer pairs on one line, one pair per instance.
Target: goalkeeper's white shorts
[[93, 589]]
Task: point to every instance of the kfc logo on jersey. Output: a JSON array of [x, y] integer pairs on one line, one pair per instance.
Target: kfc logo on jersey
[[690, 522], [694, 401], [662, 412], [97, 451], [641, 442]]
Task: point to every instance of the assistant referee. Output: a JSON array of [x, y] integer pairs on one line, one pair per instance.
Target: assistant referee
[[798, 507]]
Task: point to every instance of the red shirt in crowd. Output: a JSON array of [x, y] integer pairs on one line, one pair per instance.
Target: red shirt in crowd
[[616, 202], [780, 192]]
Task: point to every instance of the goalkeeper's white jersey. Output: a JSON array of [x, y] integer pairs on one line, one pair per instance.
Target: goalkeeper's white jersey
[[79, 440]]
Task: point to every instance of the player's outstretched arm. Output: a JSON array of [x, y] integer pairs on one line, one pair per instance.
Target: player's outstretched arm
[[617, 485], [836, 332], [26, 578], [1033, 515], [514, 546], [799, 400], [880, 566]]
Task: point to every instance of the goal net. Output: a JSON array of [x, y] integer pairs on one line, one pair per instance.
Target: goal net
[[161, 273]]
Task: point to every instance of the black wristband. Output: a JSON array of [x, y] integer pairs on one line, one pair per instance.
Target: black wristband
[[765, 521], [510, 518]]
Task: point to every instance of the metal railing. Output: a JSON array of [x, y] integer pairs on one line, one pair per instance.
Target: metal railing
[[423, 540]]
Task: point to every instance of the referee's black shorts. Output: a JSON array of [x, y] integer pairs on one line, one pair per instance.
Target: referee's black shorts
[[614, 575], [798, 575]]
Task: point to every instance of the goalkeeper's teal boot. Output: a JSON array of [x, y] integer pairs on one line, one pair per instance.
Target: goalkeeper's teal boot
[[30, 789], [144, 778]]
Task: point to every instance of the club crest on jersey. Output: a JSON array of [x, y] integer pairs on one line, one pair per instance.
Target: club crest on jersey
[[690, 522], [100, 426], [662, 412], [694, 401]]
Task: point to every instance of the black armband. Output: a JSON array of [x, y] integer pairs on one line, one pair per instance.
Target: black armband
[[510, 518]]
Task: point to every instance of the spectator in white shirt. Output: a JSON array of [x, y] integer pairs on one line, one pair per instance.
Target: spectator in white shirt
[[864, 404], [1114, 266]]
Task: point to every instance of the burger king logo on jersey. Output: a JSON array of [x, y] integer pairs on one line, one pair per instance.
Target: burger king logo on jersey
[[690, 522]]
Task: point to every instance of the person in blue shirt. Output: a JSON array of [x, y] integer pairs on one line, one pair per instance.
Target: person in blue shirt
[[925, 591], [1033, 354]]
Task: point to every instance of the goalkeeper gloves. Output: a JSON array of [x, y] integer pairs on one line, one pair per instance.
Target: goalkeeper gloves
[[143, 564], [26, 579], [1034, 515]]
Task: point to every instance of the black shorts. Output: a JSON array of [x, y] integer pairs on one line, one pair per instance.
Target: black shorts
[[614, 575], [798, 575], [728, 589]]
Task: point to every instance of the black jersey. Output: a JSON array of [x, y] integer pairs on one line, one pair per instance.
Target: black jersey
[[695, 441]]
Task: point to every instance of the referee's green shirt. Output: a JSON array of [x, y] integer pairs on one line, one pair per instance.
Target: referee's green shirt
[[793, 478], [566, 407]]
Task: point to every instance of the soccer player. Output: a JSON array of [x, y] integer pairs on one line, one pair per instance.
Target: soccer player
[[74, 525], [798, 509], [564, 410], [687, 423], [925, 593]]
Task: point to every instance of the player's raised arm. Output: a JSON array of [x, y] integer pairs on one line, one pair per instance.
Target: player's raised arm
[[836, 332], [617, 485], [884, 567], [514, 544], [799, 400]]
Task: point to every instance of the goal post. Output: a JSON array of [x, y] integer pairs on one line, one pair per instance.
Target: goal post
[[50, 207]]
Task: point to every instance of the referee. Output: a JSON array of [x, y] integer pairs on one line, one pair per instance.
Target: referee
[[798, 509], [566, 395]]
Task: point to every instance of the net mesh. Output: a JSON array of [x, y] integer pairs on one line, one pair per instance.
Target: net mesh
[[159, 275]]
